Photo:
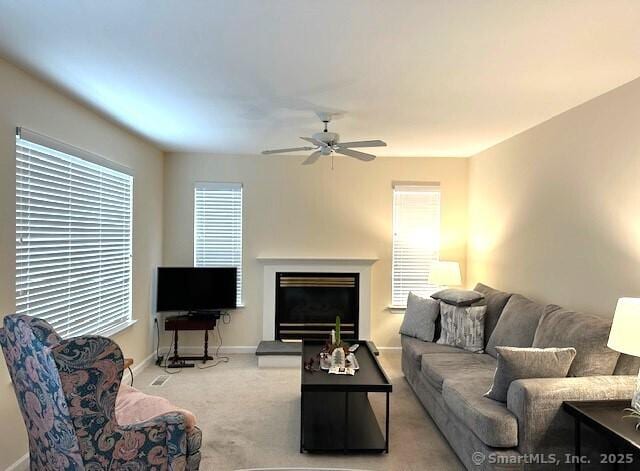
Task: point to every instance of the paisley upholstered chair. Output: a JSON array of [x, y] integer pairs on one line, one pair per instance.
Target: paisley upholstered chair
[[67, 392]]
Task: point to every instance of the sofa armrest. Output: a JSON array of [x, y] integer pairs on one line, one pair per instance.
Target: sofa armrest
[[170, 425], [543, 427]]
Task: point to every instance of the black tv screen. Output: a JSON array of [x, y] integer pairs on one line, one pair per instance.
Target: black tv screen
[[196, 289]]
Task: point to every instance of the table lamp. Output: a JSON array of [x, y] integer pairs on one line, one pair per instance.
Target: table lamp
[[625, 335], [445, 274]]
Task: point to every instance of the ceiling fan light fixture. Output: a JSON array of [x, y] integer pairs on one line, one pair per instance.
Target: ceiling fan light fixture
[[326, 143]]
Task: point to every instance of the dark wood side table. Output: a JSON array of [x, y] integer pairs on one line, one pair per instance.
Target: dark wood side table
[[607, 419], [128, 363], [204, 322]]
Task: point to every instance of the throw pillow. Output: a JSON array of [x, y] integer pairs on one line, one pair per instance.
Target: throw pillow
[[496, 301], [420, 318], [458, 297], [588, 334], [517, 325], [462, 326], [522, 363]]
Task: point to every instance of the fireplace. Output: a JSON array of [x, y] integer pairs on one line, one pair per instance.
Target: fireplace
[[307, 305]]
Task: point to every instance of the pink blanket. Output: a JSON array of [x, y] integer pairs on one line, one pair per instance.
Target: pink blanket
[[133, 406]]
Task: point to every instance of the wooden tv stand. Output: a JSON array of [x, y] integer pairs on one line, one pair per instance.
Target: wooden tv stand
[[204, 322]]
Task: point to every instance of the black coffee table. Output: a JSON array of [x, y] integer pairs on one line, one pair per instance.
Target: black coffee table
[[335, 411]]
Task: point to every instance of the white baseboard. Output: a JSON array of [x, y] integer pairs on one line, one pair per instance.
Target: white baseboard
[[198, 350], [126, 376], [238, 349], [21, 465]]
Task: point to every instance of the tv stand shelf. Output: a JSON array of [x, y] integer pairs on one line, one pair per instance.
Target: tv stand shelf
[[191, 322]]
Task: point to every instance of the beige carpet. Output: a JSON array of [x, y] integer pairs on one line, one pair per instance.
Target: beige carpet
[[250, 418]]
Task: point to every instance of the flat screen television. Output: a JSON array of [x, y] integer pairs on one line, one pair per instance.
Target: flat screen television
[[196, 289]]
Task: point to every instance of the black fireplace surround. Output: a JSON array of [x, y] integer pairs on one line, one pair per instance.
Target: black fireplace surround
[[307, 305]]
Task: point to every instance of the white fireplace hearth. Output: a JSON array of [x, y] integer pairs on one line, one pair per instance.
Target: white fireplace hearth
[[274, 265]]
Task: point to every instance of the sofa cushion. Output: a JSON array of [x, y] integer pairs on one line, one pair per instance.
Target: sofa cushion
[[458, 297], [588, 334], [495, 301], [420, 317], [517, 324], [462, 326], [489, 420], [415, 348], [438, 367]]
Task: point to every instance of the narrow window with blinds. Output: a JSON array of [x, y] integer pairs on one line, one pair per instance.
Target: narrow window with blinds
[[416, 240], [218, 227], [73, 240]]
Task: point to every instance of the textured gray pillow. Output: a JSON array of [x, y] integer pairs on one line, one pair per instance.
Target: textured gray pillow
[[462, 326], [458, 297], [517, 325], [588, 334], [496, 301], [522, 363], [420, 318]]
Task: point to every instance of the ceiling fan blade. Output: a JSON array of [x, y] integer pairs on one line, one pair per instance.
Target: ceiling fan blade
[[374, 143], [312, 158], [290, 149], [313, 141], [354, 153]]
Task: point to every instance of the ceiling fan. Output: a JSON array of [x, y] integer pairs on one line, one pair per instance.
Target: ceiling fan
[[326, 143]]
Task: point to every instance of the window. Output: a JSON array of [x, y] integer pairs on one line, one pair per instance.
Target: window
[[73, 238], [218, 227], [416, 240]]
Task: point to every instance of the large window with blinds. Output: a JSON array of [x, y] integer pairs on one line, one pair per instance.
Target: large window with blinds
[[416, 240], [73, 238], [218, 227]]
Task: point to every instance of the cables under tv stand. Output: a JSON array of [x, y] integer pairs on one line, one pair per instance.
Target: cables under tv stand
[[192, 321], [217, 358]]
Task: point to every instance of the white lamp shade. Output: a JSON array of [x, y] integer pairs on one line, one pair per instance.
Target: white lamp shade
[[445, 274], [625, 330]]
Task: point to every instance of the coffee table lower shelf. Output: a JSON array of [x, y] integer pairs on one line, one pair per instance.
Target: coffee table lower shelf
[[341, 422]]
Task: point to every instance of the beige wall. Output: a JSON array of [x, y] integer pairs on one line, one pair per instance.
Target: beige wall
[[25, 101], [295, 210], [555, 211]]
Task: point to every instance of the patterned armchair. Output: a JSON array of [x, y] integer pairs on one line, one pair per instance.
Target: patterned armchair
[[67, 392]]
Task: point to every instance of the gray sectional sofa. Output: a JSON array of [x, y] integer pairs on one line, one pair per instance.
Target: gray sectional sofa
[[530, 428]]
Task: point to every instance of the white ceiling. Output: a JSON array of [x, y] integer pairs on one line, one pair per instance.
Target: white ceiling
[[447, 77]]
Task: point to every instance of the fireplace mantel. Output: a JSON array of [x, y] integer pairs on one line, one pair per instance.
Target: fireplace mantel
[[316, 261], [275, 264]]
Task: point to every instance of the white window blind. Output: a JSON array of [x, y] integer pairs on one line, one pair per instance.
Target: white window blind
[[416, 240], [73, 241], [218, 227]]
